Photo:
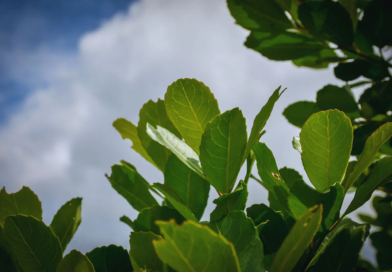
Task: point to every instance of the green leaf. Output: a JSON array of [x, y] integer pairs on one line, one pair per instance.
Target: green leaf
[[175, 200], [319, 60], [361, 134], [343, 250], [127, 220], [334, 97], [143, 251], [222, 149], [352, 9], [299, 238], [233, 201], [110, 258], [146, 219], [283, 46], [327, 20], [269, 174], [33, 244], [382, 241], [381, 173], [302, 197], [194, 247], [7, 261], [326, 140], [271, 225], [190, 106], [129, 131], [249, 166], [177, 146], [132, 186], [348, 71], [297, 144], [376, 100], [23, 202], [261, 120], [190, 187], [289, 176], [299, 112], [262, 15], [240, 230], [373, 144], [67, 220], [154, 113], [75, 262]]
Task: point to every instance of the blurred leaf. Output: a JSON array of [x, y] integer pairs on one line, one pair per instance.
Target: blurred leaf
[[327, 20], [210, 252], [146, 219], [67, 220], [23, 202], [190, 106], [381, 173], [299, 112], [240, 230], [296, 144], [128, 221], [271, 226], [154, 113], [143, 251], [319, 60], [132, 186], [190, 187], [283, 46], [177, 146], [174, 199], [382, 241], [376, 99], [343, 249], [302, 197], [326, 140], [361, 134], [234, 201], [351, 7], [334, 97], [348, 71], [373, 144], [261, 120], [110, 258], [222, 149], [33, 244], [263, 15], [129, 131], [75, 262], [299, 238]]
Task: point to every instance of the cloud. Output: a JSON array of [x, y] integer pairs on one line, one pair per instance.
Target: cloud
[[61, 142]]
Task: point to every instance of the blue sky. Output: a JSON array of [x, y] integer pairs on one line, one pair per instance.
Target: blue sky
[[56, 25]]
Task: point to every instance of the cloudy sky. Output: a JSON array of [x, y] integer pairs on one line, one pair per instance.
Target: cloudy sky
[[67, 71]]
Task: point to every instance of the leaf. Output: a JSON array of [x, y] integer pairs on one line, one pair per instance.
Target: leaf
[[222, 149], [273, 228], [110, 258], [67, 220], [297, 144], [373, 144], [33, 244], [361, 134], [7, 261], [376, 100], [343, 250], [174, 199], [240, 230], [269, 174], [348, 71], [22, 202], [261, 120], [249, 166], [351, 7], [233, 201], [132, 186], [326, 140], [177, 146], [143, 251], [299, 112], [154, 113], [382, 242], [327, 20], [302, 197], [128, 221], [299, 238], [263, 15], [190, 106], [129, 131], [189, 187], [381, 173], [334, 97], [319, 60], [75, 262], [283, 46], [146, 219], [194, 247], [290, 176]]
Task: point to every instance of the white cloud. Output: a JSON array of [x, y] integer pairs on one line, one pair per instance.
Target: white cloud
[[60, 143]]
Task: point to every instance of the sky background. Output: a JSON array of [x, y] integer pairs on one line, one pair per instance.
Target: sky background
[[68, 69]]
